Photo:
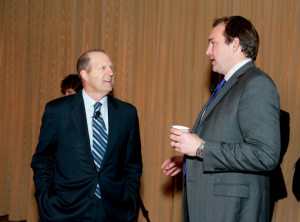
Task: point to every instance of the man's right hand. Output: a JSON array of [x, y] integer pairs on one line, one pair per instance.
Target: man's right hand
[[173, 166]]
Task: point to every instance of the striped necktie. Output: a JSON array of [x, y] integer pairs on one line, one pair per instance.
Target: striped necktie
[[99, 140]]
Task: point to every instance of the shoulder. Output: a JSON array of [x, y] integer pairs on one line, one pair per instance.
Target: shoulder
[[256, 76], [60, 102], [126, 111], [125, 106], [64, 104], [259, 86]]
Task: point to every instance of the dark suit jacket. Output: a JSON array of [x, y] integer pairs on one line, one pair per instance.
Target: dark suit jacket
[[242, 132], [65, 175]]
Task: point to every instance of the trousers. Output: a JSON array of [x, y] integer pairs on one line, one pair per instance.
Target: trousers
[[95, 212]]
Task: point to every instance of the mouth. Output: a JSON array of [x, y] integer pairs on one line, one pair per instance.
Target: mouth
[[212, 61]]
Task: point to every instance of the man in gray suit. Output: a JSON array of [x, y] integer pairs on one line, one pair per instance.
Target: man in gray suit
[[235, 141]]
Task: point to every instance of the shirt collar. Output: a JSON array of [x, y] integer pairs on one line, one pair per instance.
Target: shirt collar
[[89, 102], [236, 67]]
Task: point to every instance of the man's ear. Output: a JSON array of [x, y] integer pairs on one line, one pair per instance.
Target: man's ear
[[84, 76], [235, 44]]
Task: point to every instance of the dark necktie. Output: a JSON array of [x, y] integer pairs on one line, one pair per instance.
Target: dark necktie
[[215, 92]]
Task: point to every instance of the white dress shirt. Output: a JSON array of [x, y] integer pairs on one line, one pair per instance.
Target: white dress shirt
[[235, 68]]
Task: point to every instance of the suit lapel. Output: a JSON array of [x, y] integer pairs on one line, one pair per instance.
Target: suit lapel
[[78, 117], [231, 82], [113, 123], [219, 96], [196, 125]]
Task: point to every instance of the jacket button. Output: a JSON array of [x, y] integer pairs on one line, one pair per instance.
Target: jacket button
[[98, 174], [90, 197]]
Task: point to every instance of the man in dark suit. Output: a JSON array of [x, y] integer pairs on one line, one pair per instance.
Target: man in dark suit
[[87, 163], [235, 141]]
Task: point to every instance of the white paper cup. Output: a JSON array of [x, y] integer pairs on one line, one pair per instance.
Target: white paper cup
[[182, 128]]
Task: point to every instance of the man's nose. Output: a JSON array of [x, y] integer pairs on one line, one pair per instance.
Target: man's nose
[[208, 51], [110, 72]]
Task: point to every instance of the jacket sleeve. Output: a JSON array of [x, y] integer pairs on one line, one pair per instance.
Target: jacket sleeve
[[258, 118], [133, 161], [43, 159]]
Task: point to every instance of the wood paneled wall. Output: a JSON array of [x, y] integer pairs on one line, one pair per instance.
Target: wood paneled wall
[[158, 48]]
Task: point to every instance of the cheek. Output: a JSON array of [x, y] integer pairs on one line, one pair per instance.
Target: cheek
[[101, 76], [215, 51], [221, 54]]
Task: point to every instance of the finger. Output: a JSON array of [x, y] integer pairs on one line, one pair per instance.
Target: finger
[[170, 165], [166, 163], [174, 137], [171, 171], [176, 131], [178, 170], [170, 168], [172, 143]]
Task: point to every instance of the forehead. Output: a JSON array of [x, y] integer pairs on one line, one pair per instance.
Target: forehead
[[99, 57], [217, 31]]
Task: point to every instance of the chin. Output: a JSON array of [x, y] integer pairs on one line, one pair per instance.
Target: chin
[[214, 69]]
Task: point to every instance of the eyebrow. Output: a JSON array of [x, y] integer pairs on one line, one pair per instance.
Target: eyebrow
[[101, 64], [209, 40]]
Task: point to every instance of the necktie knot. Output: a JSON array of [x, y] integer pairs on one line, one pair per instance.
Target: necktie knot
[[97, 106], [220, 85], [215, 92]]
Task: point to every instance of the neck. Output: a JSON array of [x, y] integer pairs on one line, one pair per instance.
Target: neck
[[97, 96]]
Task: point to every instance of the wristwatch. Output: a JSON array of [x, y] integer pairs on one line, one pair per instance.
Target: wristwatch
[[199, 152]]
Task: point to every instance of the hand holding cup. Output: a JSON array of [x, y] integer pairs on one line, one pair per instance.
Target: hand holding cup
[[184, 142]]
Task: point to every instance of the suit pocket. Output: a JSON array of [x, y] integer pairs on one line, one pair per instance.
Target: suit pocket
[[63, 194], [232, 190]]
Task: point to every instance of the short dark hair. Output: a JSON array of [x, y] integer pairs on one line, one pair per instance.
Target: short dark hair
[[83, 62], [71, 81], [241, 28]]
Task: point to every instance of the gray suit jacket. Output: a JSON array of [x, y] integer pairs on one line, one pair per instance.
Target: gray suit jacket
[[242, 133]]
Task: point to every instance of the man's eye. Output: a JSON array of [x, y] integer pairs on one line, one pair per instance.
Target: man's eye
[[102, 68], [111, 67]]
